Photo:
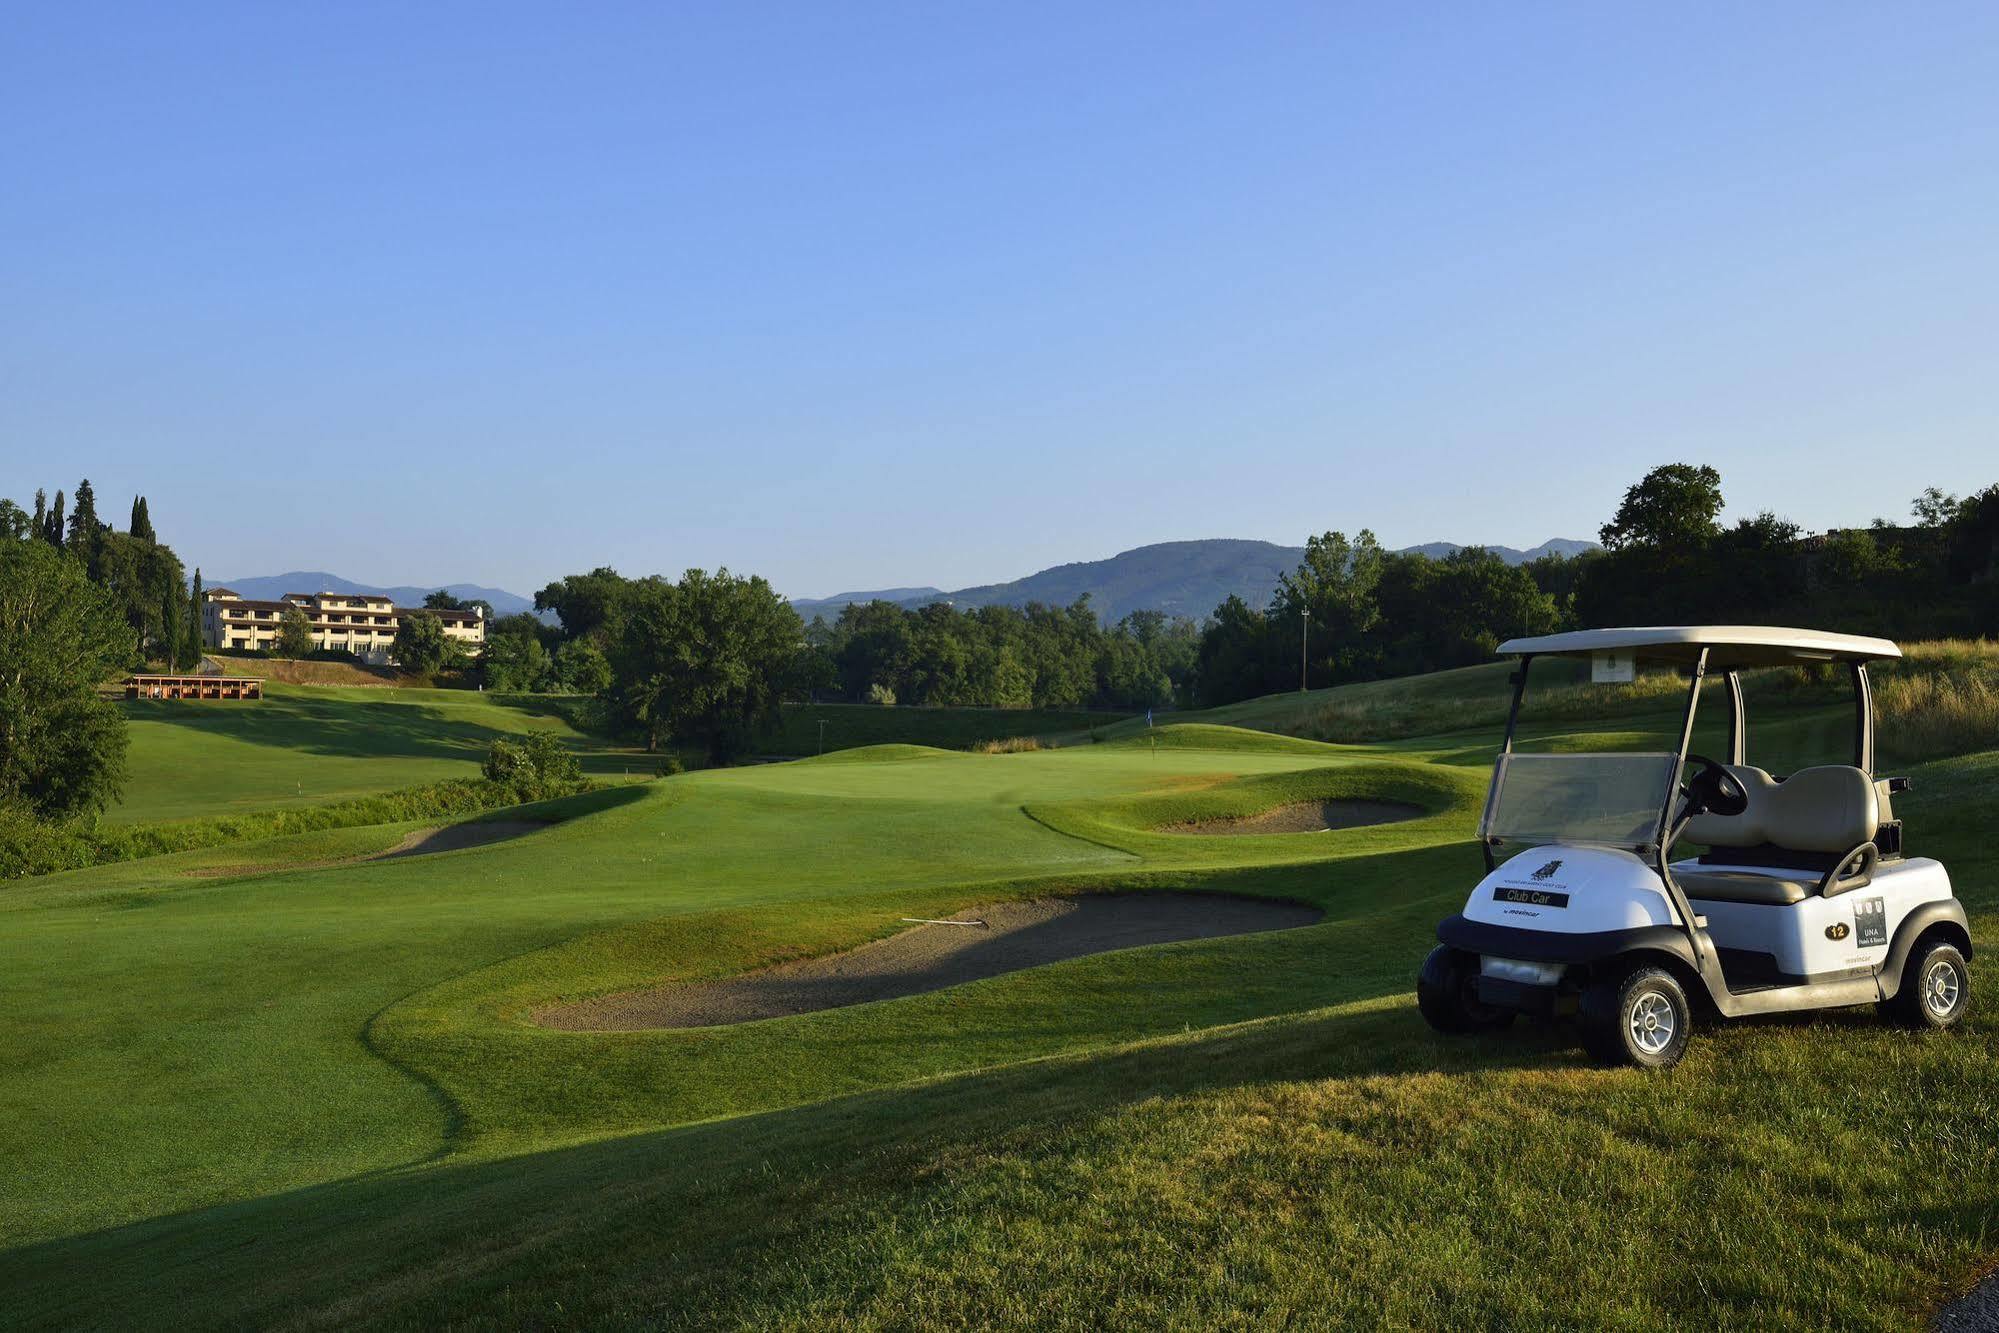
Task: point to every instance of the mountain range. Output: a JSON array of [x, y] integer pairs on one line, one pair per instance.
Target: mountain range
[[1180, 578]]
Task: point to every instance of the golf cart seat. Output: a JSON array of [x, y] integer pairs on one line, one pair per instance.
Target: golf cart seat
[[1772, 889], [1811, 833]]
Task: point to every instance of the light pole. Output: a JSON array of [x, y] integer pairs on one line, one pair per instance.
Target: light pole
[[1304, 633]]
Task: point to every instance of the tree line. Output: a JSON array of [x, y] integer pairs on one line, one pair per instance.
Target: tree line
[[1032, 656], [706, 659], [1353, 612], [140, 573], [77, 604], [1667, 557]]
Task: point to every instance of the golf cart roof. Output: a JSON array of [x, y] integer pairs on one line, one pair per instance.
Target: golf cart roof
[[1729, 646]]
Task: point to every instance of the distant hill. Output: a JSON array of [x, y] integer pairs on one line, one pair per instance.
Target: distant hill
[[270, 587], [1180, 578], [1511, 555]]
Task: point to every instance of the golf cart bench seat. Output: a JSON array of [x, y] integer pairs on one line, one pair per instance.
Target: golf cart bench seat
[[1826, 818], [1745, 886]]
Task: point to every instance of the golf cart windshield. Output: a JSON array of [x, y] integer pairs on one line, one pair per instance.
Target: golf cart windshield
[[1618, 800]]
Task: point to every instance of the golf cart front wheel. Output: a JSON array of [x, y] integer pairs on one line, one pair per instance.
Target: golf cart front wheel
[[1637, 1017], [1935, 990], [1445, 994]]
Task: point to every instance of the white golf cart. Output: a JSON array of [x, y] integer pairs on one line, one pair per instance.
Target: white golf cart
[[1801, 900]]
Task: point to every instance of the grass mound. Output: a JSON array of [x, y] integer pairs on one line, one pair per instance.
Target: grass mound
[[806, 729], [1209, 736], [892, 753]]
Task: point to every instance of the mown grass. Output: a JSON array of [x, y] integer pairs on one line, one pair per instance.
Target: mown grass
[[318, 1095], [311, 745]]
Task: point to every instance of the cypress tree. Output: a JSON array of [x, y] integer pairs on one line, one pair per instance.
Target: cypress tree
[[142, 521], [191, 648], [53, 533], [41, 528], [85, 532]]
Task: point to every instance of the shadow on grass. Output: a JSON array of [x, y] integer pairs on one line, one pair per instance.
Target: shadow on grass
[[384, 729], [359, 729], [455, 1242]]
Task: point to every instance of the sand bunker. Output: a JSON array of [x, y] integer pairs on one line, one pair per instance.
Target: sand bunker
[[930, 957], [1305, 817]]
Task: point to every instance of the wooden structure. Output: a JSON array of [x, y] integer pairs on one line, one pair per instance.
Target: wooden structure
[[193, 687]]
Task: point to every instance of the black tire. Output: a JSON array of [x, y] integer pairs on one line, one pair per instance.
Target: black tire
[[1935, 989], [1638, 1016], [1444, 994]]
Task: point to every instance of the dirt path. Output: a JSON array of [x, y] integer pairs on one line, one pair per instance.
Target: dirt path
[[930, 957], [1304, 817]]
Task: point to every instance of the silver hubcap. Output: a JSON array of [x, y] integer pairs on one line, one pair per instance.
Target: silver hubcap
[[1652, 1022], [1940, 988]]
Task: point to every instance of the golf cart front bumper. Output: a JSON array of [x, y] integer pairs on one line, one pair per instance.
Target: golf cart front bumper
[[1541, 972], [1554, 946]]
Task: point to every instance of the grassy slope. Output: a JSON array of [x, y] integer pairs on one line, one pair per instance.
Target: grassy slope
[[307, 745], [1212, 1132]]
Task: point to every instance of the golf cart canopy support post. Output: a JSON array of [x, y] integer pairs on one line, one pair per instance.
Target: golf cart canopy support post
[[1667, 833], [1738, 721]]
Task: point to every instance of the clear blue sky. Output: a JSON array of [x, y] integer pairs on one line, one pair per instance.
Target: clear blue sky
[[854, 295]]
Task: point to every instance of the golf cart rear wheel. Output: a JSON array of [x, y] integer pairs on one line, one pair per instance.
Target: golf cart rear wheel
[[1636, 1017], [1936, 988], [1445, 994]]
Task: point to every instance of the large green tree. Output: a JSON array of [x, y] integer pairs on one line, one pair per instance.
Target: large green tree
[[1676, 507], [703, 661], [422, 646], [587, 604], [515, 659], [62, 746], [142, 577], [580, 667], [1329, 600], [294, 633]]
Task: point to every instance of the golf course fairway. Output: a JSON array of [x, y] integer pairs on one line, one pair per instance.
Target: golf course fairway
[[282, 1083]]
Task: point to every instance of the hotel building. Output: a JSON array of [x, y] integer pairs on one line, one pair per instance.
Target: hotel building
[[341, 622]]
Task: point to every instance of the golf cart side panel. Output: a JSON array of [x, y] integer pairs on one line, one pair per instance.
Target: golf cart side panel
[[1830, 938], [1569, 889]]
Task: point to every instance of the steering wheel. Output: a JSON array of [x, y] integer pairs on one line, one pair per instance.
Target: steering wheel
[[1713, 790]]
